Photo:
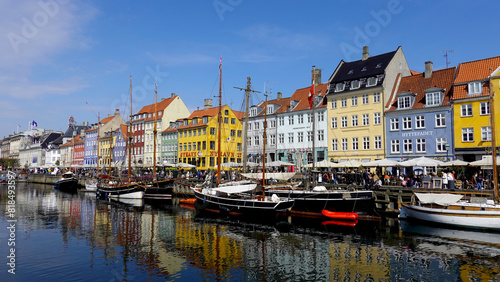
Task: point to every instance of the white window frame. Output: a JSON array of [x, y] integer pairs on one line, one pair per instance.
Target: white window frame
[[334, 122], [433, 99], [420, 145], [394, 124], [486, 133], [441, 144], [484, 108], [365, 99], [366, 143], [333, 104], [440, 120], [468, 134], [355, 143], [466, 110], [355, 84], [407, 146], [419, 122], [343, 122], [376, 97], [354, 101], [377, 118], [365, 119], [335, 144], [339, 87], [344, 144], [395, 146], [343, 102], [371, 81], [475, 88], [407, 123], [354, 120], [377, 142], [404, 102]]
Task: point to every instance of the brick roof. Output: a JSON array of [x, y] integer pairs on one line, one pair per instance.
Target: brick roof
[[474, 71], [283, 105], [302, 95], [160, 106], [417, 84]]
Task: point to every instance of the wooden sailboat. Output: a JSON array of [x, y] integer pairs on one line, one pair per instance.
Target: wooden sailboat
[[458, 209], [128, 190], [238, 198]]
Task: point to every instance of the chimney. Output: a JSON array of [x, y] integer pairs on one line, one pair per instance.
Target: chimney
[[366, 54], [279, 95], [109, 115], [316, 77], [172, 95], [117, 112], [428, 69], [208, 103], [162, 99]]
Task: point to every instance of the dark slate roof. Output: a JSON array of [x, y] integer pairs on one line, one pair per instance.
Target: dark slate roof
[[359, 69], [72, 128]]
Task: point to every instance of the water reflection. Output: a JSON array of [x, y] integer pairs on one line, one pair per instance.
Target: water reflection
[[75, 235]]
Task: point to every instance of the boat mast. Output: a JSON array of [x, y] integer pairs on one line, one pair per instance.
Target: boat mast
[[98, 127], [493, 140], [154, 140], [130, 136], [110, 150], [264, 151], [219, 121], [313, 119]]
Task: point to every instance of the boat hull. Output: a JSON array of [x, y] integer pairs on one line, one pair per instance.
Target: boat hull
[[361, 202], [245, 205], [162, 189], [472, 217], [121, 192], [67, 185]]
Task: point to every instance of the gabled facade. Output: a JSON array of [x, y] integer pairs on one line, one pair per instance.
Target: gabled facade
[[120, 154], [357, 94], [78, 151], [471, 107], [169, 142], [168, 110], [255, 137], [419, 121], [198, 137]]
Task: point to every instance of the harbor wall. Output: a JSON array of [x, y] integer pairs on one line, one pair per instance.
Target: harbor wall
[[50, 179]]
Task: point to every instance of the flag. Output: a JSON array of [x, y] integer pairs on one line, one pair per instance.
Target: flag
[[34, 123], [311, 96]]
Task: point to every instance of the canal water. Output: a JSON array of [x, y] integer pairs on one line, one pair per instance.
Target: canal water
[[75, 237]]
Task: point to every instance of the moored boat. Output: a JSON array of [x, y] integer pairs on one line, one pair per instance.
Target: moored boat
[[340, 215], [453, 210], [124, 191], [67, 183]]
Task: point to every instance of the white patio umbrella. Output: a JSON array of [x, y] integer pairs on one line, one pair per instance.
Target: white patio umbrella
[[381, 163], [279, 163], [184, 165], [167, 164], [485, 161], [455, 163], [323, 163], [231, 164], [422, 161], [350, 163]]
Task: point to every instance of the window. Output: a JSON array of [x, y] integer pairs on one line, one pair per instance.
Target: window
[[407, 146], [300, 119], [290, 119], [371, 81], [433, 99], [466, 110], [309, 118], [343, 122], [376, 97], [212, 145], [420, 145], [377, 140], [468, 134], [395, 146], [300, 137], [270, 109], [321, 135], [486, 133], [485, 108], [364, 99], [281, 121], [355, 84], [344, 144], [354, 100], [321, 116], [419, 122], [226, 112], [366, 119], [273, 123], [355, 145], [239, 133], [475, 88], [334, 122], [281, 138], [339, 87], [333, 103], [233, 133], [272, 139], [406, 123], [377, 119], [212, 131], [440, 120], [441, 144], [394, 124], [343, 102], [404, 102], [366, 143], [290, 137], [233, 121], [257, 124], [309, 136], [249, 141], [256, 140], [335, 145], [354, 120]]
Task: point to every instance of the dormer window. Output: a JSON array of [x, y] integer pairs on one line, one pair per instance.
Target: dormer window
[[433, 99], [195, 121], [186, 122], [205, 119], [363, 69], [355, 84], [404, 102], [475, 88], [270, 109], [339, 87], [379, 65], [372, 81], [253, 112], [293, 103], [351, 72]]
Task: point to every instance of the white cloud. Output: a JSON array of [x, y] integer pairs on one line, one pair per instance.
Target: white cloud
[[23, 88]]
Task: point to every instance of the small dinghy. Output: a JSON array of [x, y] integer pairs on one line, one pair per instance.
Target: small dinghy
[[340, 215]]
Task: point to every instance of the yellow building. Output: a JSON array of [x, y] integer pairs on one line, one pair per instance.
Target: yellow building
[[495, 89], [106, 145], [471, 108], [198, 137], [357, 95]]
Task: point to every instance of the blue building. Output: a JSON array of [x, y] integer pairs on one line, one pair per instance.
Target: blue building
[[418, 116]]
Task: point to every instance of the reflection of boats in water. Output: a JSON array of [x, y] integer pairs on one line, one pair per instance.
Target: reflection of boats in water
[[463, 235], [129, 202]]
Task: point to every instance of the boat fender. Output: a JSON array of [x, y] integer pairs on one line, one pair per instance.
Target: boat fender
[[275, 198]]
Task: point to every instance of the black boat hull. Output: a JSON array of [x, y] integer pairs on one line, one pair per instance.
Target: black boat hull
[[67, 185]]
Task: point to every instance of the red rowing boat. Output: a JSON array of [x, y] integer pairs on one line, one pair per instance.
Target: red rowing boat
[[340, 215]]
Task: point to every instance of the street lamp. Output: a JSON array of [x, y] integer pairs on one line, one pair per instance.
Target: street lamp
[[447, 146]]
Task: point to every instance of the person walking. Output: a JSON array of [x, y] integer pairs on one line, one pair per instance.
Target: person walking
[[445, 180], [451, 180]]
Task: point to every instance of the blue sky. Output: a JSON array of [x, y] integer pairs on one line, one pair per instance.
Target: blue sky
[[60, 57]]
